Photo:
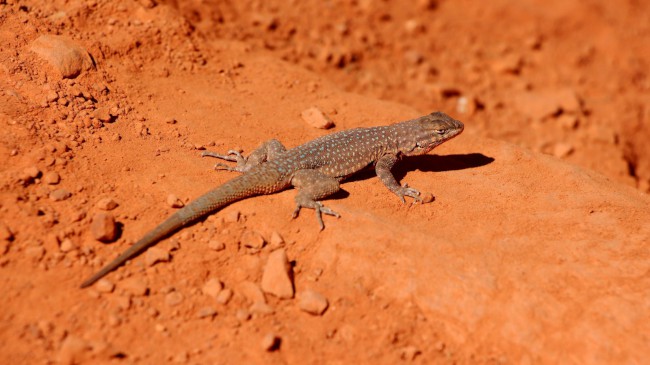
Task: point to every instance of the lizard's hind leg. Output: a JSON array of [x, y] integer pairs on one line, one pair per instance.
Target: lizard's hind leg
[[312, 186], [268, 151]]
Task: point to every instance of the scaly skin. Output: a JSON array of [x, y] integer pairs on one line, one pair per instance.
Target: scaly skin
[[315, 168]]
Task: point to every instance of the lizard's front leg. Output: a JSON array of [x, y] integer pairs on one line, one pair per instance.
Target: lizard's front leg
[[312, 186], [268, 151], [383, 169]]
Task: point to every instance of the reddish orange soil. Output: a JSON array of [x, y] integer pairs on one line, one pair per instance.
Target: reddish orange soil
[[535, 250]]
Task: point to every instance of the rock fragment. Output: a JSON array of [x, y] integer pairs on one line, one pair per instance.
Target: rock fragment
[[212, 287], [276, 279], [105, 286], [155, 255], [51, 178], [173, 299], [60, 195], [206, 312], [561, 150], [103, 227], [410, 353], [107, 204], [216, 245], [312, 302], [270, 342], [316, 118], [102, 114], [32, 172], [68, 58], [73, 350], [252, 239], [276, 240], [5, 233], [174, 202], [135, 286], [67, 245], [224, 296]]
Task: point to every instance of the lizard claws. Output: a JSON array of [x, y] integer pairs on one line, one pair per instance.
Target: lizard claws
[[319, 210], [410, 192]]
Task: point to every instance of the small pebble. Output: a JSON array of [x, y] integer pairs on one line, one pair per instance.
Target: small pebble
[[5, 233], [427, 198], [410, 353], [73, 350], [181, 357], [32, 172], [51, 96], [59, 195], [276, 278], [252, 239], [135, 286], [216, 245], [103, 227], [312, 302], [35, 253], [270, 342], [67, 245], [173, 299], [51, 178], [105, 286], [561, 150], [232, 217], [276, 240], [242, 315], [316, 118], [212, 287], [155, 255], [224, 296], [174, 202], [102, 114], [206, 312], [107, 204]]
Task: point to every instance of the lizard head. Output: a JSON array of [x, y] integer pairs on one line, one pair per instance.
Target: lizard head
[[429, 131]]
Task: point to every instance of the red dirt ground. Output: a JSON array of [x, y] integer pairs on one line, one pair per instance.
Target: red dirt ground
[[535, 249]]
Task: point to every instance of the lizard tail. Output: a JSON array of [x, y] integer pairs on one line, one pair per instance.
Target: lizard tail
[[241, 187]]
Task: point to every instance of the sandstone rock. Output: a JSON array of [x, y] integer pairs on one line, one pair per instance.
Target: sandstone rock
[[270, 342], [155, 255], [174, 202], [68, 58], [276, 278], [252, 239], [60, 194], [316, 118], [103, 227], [51, 178], [107, 204], [212, 287], [312, 302]]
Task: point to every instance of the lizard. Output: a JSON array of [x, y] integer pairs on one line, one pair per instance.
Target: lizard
[[315, 169]]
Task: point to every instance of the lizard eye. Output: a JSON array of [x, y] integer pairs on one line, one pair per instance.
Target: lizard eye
[[440, 131]]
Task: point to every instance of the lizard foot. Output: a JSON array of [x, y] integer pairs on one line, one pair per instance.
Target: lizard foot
[[319, 209], [231, 155], [410, 192]]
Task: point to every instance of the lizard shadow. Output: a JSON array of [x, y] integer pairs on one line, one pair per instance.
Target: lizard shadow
[[440, 163], [426, 163]]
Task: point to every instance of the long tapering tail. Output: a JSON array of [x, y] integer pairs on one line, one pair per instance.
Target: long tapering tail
[[241, 187]]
